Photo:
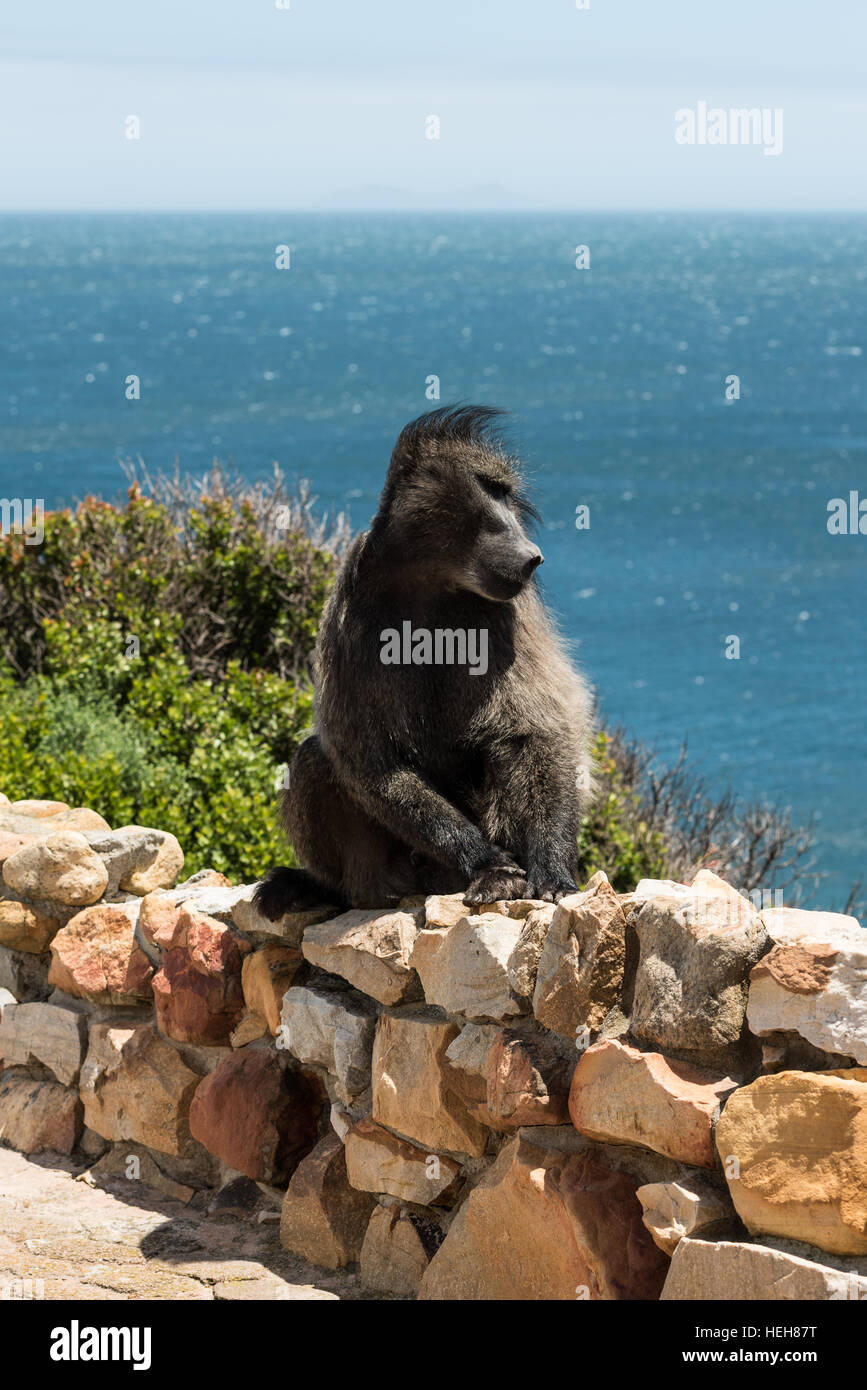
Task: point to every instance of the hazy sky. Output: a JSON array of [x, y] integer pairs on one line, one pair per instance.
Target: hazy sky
[[244, 105]]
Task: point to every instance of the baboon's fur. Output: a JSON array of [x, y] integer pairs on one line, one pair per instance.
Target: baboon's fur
[[425, 778]]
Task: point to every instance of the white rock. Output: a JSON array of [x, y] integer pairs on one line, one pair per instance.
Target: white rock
[[330, 1030], [672, 1210], [370, 949], [44, 1033], [738, 1271], [813, 983], [468, 1053], [465, 968], [789, 924]]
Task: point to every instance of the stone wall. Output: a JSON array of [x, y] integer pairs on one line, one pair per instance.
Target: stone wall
[[661, 1094]]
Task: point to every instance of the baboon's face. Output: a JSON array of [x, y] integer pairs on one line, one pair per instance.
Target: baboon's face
[[466, 518]]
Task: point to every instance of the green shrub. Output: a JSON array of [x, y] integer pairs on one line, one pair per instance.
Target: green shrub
[[156, 660]]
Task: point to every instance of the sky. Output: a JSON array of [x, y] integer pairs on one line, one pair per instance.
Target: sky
[[326, 104]]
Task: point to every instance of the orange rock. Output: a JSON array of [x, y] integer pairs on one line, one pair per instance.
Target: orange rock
[[580, 971], [624, 1096], [528, 1077], [397, 1249], [411, 1084], [255, 1116], [265, 977], [378, 1161], [23, 928], [95, 956], [38, 1116], [197, 990], [10, 841], [794, 1152], [543, 1224], [323, 1219], [136, 1086]]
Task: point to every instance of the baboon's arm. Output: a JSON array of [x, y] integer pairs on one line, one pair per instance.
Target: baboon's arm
[[402, 801], [534, 810]]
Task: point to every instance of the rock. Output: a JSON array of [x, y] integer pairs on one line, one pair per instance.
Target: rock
[[605, 1214], [23, 928], [92, 1144], [80, 818], [467, 1060], [341, 1121], [520, 908], [787, 925], [697, 949], [369, 949], [96, 957], [523, 964], [794, 1151], [138, 859], [289, 928], [265, 977], [816, 986], [547, 1225], [10, 842], [197, 990], [45, 1034], [528, 1078], [256, 1117], [445, 910], [135, 1165], [464, 968], [736, 1271], [397, 1249], [580, 972], [331, 1030], [623, 1096], [672, 1210], [251, 1027], [323, 1219], [39, 809], [38, 1116], [62, 867], [160, 910], [206, 878], [24, 975], [411, 1084], [159, 920], [377, 1161], [240, 1199], [135, 1085]]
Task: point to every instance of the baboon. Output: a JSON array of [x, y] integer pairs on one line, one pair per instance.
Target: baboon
[[439, 778]]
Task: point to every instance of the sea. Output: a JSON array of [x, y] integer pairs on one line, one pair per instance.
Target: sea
[[686, 392]]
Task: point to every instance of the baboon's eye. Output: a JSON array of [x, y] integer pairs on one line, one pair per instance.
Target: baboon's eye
[[493, 488]]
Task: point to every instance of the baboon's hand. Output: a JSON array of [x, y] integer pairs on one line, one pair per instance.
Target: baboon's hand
[[550, 888], [496, 885], [498, 878]]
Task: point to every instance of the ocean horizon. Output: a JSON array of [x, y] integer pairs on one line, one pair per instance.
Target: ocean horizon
[[696, 385]]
